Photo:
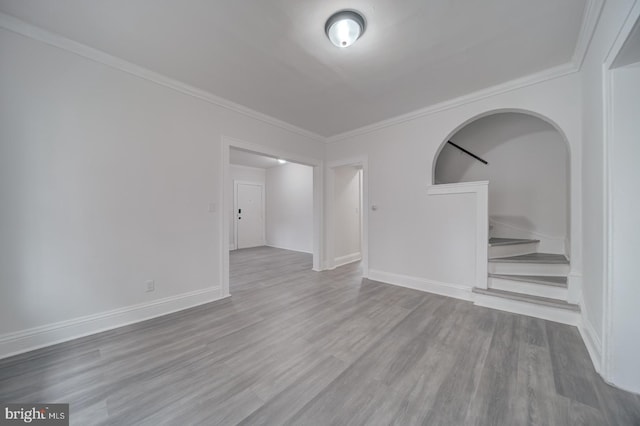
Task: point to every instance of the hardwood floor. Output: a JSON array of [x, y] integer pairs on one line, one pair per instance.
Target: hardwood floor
[[294, 346]]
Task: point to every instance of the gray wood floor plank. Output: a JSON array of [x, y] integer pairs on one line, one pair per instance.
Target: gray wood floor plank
[[293, 346], [284, 405], [573, 372], [494, 401]]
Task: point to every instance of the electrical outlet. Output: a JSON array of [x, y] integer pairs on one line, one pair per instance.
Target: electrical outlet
[[151, 286]]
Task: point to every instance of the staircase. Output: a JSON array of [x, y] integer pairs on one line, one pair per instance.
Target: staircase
[[524, 281]]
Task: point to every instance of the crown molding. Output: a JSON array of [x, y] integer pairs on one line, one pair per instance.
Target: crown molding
[[539, 77], [590, 19], [20, 27]]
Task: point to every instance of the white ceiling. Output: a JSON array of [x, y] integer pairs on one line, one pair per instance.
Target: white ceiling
[[245, 158], [273, 57]]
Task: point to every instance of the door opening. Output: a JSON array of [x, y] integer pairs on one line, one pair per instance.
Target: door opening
[[249, 214], [272, 200]]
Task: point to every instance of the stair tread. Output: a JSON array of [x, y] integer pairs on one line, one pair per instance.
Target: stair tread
[[533, 258], [555, 281], [494, 242], [538, 300]]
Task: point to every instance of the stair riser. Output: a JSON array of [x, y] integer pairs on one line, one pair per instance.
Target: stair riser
[[512, 250], [532, 289], [517, 268], [549, 313]]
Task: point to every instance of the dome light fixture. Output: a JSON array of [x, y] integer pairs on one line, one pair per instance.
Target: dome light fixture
[[345, 27]]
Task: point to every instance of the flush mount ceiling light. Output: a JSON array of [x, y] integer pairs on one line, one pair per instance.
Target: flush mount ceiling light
[[345, 27]]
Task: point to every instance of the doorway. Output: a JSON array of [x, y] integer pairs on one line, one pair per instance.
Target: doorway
[[295, 225], [347, 214], [249, 214]]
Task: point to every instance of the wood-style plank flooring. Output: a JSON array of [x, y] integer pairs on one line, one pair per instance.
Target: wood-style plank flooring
[[298, 347]]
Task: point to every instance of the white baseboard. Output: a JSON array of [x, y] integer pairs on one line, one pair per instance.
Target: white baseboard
[[592, 342], [591, 339], [47, 335], [457, 291], [288, 248], [343, 260]]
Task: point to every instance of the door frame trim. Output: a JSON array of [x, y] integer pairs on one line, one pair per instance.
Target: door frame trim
[[363, 162], [235, 209]]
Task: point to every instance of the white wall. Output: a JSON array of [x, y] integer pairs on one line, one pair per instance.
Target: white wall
[[527, 174], [426, 240], [594, 156], [347, 214], [289, 205], [625, 238], [244, 174], [107, 180]]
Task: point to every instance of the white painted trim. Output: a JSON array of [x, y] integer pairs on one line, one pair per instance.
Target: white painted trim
[[268, 151], [329, 206], [263, 240], [345, 260], [591, 340], [318, 216], [289, 248], [232, 246], [481, 190], [608, 139], [18, 26], [592, 12], [51, 334], [535, 310], [253, 169], [456, 188], [509, 86], [457, 291], [574, 282]]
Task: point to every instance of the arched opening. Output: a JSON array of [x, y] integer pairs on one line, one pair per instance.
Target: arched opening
[[527, 166]]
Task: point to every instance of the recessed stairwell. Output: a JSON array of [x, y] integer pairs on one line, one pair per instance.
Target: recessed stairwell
[[524, 281]]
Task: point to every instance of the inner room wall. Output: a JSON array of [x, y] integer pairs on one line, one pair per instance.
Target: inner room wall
[[595, 233], [425, 241], [289, 207], [347, 214], [527, 172], [109, 180], [625, 234]]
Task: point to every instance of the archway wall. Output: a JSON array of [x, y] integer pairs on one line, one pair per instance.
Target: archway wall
[[420, 240], [527, 170]]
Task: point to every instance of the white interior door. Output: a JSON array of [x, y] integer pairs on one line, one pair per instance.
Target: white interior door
[[249, 214]]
